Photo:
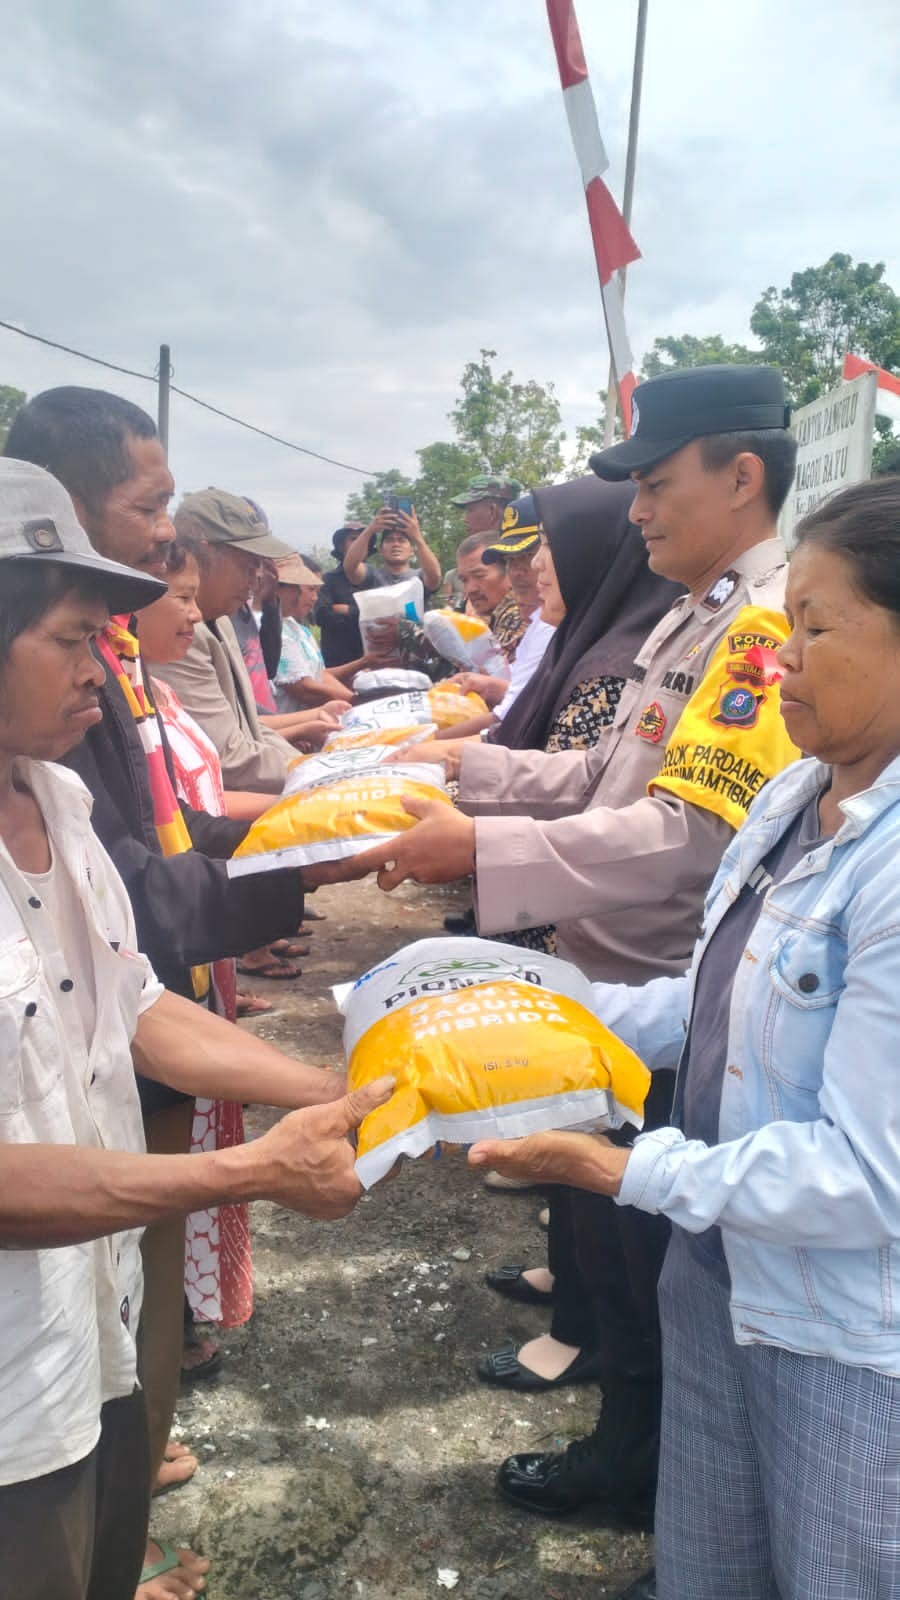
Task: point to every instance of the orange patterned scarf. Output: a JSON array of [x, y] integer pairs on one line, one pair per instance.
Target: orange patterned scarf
[[121, 653]]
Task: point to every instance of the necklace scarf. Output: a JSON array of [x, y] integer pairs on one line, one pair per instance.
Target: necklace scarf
[[121, 653]]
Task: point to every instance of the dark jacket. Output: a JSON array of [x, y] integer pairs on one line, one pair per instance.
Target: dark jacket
[[339, 636], [186, 909]]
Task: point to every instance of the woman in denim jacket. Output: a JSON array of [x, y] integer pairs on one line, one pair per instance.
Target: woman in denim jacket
[[780, 1298]]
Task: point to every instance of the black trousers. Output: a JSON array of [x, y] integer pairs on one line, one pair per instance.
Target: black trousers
[[80, 1533], [606, 1261]]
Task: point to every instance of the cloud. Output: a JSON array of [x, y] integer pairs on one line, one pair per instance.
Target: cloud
[[326, 211]]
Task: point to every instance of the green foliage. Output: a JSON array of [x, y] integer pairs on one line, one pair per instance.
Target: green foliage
[[512, 427], [499, 424], [808, 328], [363, 504], [11, 401], [709, 350]]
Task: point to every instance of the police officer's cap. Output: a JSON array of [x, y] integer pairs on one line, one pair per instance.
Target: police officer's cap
[[668, 412]]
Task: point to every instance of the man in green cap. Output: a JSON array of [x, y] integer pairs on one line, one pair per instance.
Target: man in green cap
[[484, 500]]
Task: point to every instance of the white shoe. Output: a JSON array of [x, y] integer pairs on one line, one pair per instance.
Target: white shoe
[[544, 1217]]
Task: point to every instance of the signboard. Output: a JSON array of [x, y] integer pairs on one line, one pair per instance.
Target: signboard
[[834, 436]]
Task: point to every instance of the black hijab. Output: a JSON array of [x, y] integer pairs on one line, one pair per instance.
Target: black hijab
[[612, 599]]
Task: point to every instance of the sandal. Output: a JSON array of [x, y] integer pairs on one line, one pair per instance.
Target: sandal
[[168, 1562], [271, 969]]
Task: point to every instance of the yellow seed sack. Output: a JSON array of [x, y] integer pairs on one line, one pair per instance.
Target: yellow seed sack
[[335, 820], [358, 738], [485, 1041], [445, 706]]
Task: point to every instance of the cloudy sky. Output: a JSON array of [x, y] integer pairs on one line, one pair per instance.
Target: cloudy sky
[[327, 209]]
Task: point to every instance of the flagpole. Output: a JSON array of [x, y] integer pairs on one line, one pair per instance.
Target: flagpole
[[634, 117]]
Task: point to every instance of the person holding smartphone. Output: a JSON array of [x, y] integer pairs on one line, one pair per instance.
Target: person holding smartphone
[[396, 527]]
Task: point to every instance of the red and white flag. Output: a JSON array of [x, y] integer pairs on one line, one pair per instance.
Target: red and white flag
[[613, 245], [887, 394]]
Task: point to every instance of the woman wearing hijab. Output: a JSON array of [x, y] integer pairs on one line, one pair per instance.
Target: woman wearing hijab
[[599, 591]]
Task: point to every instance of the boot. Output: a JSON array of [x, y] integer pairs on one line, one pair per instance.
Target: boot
[[615, 1466]]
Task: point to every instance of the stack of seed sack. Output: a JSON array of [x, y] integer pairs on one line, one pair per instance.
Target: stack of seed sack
[[349, 798]]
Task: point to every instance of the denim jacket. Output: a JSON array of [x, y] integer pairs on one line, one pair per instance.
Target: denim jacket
[[805, 1182]]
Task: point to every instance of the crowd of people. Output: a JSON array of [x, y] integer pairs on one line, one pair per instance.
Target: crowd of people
[[686, 782]]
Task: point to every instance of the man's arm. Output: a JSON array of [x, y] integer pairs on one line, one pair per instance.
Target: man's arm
[[616, 863], [187, 909], [186, 1047], [58, 1195], [355, 569], [429, 565]]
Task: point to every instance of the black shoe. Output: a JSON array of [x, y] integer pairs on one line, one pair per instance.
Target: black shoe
[[643, 1588], [615, 1466], [461, 922], [512, 1283], [503, 1368]]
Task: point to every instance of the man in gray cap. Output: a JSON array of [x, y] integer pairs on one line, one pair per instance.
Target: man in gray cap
[[629, 836], [228, 539]]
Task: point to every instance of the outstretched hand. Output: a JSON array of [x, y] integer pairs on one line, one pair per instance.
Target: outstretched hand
[[581, 1160], [306, 1161]]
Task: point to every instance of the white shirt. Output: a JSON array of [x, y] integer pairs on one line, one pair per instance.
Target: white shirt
[[68, 1316], [530, 652]]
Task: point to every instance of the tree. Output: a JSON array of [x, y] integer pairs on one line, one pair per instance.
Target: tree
[[500, 425], [363, 503], [808, 328], [686, 350], [11, 401], [511, 427]]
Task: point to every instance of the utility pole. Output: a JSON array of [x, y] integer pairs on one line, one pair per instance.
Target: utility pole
[[612, 395], [162, 412]]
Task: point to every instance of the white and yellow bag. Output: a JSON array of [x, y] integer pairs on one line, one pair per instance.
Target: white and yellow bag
[[485, 1041], [445, 706], [335, 820], [466, 641]]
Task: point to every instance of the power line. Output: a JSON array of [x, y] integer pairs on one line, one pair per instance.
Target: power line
[[149, 377]]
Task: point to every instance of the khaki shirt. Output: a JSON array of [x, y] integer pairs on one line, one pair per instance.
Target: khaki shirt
[[617, 844], [214, 687]]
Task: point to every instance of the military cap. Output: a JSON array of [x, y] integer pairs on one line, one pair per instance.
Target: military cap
[[487, 486], [519, 531], [668, 412]]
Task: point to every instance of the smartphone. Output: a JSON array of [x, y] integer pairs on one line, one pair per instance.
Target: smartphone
[[398, 502]]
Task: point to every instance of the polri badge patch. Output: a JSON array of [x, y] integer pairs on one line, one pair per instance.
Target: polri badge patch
[[651, 724]]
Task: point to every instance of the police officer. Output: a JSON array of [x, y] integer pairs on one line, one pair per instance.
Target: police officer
[[616, 846]]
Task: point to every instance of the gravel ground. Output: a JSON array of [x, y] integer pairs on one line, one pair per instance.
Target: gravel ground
[[348, 1448]]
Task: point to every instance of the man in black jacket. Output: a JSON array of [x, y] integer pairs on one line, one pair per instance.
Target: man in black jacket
[[187, 910]]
